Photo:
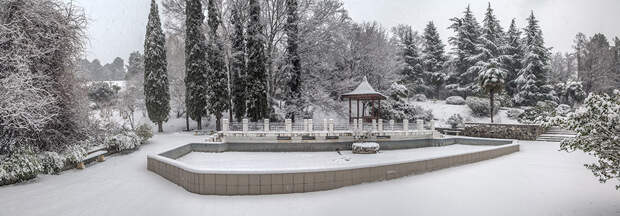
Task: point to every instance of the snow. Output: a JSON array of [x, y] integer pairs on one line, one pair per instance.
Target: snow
[[258, 161], [442, 112], [538, 180]]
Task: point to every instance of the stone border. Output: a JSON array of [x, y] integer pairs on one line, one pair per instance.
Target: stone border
[[222, 182]]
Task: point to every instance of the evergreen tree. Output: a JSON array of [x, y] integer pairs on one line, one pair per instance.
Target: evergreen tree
[[464, 45], [513, 56], [294, 101], [488, 46], [196, 67], [433, 58], [412, 71], [258, 106], [135, 65], [157, 95], [532, 81], [492, 79], [237, 66], [217, 76]]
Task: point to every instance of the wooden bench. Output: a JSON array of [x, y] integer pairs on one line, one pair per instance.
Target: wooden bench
[[455, 132]]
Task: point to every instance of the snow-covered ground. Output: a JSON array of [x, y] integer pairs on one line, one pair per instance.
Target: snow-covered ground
[[442, 111], [538, 180], [314, 160]]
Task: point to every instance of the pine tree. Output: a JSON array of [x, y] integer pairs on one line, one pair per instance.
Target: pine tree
[[464, 45], [532, 80], [492, 80], [258, 106], [217, 76], [513, 56], [412, 71], [294, 101], [196, 67], [237, 66], [157, 95], [488, 46], [433, 58]]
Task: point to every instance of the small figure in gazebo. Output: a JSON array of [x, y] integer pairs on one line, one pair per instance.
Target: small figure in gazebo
[[365, 93]]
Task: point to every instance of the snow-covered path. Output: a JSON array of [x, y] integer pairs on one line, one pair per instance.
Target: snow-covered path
[[538, 180]]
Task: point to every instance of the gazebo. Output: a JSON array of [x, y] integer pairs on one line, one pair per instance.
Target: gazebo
[[364, 92]]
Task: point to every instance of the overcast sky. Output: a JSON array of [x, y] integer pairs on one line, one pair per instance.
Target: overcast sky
[[117, 27]]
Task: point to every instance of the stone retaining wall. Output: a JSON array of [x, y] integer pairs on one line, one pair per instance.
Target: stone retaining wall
[[503, 131], [275, 182]]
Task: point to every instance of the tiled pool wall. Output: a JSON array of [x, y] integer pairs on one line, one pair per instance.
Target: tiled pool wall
[[298, 181]]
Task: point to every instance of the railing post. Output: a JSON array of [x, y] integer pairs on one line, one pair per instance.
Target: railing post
[[406, 125], [225, 125], [245, 126], [266, 125], [305, 125], [374, 125], [310, 125], [420, 123], [325, 125], [432, 125], [380, 125], [392, 124], [331, 126], [288, 124]]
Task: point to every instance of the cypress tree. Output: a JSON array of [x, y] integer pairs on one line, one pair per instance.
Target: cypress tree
[[195, 65], [433, 57], [157, 96], [258, 106], [293, 101], [237, 66], [464, 45], [217, 76], [532, 80], [514, 56]]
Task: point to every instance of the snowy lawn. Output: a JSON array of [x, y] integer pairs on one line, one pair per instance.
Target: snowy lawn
[[442, 111], [538, 180], [314, 160]]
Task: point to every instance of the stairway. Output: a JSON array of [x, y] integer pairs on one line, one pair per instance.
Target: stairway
[[556, 134]]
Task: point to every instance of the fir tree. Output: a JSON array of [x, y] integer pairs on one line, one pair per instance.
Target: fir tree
[[464, 45], [196, 67], [237, 66], [412, 71], [492, 79], [489, 45], [258, 106], [217, 75], [433, 57], [513, 57], [157, 96], [532, 80], [294, 101]]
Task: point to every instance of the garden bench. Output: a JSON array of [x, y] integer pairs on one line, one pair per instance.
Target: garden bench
[[455, 132]]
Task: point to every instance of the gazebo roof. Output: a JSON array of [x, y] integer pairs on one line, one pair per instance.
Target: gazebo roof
[[364, 91]]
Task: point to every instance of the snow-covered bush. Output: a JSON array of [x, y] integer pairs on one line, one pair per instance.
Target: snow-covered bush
[[514, 113], [127, 140], [145, 132], [481, 106], [397, 90], [20, 166], [455, 121], [102, 93], [563, 109], [399, 110], [597, 127], [455, 100], [570, 92], [419, 97], [539, 114], [75, 153], [52, 162]]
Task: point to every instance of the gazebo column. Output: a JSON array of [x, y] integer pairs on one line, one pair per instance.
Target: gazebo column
[[350, 120], [358, 109]]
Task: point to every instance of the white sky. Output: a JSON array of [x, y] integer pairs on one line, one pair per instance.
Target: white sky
[[117, 27]]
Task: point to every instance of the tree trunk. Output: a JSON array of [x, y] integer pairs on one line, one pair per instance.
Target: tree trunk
[[492, 104], [199, 123], [187, 121], [160, 127], [218, 121]]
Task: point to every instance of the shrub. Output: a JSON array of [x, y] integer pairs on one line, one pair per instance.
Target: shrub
[[514, 113], [75, 153], [419, 97], [102, 92], [481, 106], [455, 120], [399, 110], [124, 141], [538, 114], [145, 132], [563, 109], [455, 100], [52, 162], [20, 166]]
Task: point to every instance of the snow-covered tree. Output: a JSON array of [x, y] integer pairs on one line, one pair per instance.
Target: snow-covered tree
[[293, 99], [488, 47], [237, 65], [258, 106], [219, 99], [532, 80], [156, 92], [196, 67], [492, 78], [433, 58], [513, 53], [464, 47], [597, 128], [412, 71]]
